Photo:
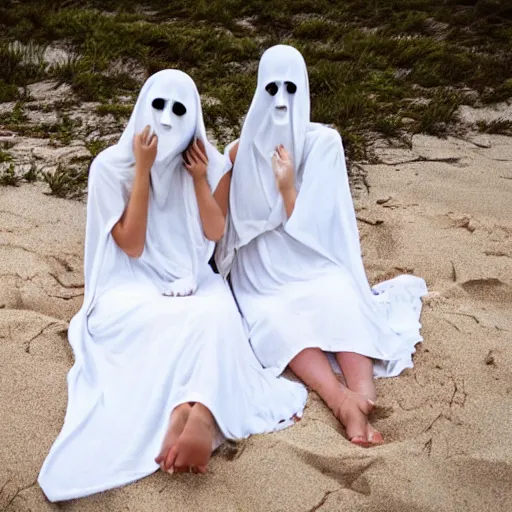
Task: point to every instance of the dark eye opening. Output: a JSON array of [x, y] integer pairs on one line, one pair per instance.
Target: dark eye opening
[[158, 103], [179, 109], [291, 87], [271, 88]]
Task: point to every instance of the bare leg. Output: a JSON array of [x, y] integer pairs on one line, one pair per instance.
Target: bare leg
[[193, 449], [358, 373], [179, 417], [313, 368]]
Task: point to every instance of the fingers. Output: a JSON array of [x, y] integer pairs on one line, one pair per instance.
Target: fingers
[[199, 151], [195, 154], [145, 138], [201, 146], [189, 165], [200, 155], [275, 163], [282, 152], [191, 156], [153, 141], [145, 134]]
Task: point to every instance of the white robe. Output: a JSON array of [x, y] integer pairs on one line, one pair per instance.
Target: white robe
[[296, 288], [300, 282], [139, 354]]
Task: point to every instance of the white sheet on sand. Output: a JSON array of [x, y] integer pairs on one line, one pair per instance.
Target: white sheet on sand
[[300, 282], [139, 354]]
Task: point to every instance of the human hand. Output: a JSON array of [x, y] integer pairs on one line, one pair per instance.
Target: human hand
[[195, 160], [144, 149], [282, 165]]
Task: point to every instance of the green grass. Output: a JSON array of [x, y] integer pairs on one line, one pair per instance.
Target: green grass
[[5, 157], [19, 65], [8, 92], [31, 175], [63, 131], [390, 126], [9, 178], [367, 60], [15, 117], [68, 183], [116, 110], [435, 117], [96, 146], [498, 126]]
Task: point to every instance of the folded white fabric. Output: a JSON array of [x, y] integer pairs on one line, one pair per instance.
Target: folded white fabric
[[139, 353]]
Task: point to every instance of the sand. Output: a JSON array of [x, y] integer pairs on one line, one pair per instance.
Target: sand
[[441, 210]]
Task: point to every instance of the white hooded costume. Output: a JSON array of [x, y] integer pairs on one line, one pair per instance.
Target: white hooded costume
[[138, 353], [300, 282]]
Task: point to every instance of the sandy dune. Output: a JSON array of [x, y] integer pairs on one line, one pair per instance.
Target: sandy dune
[[442, 210]]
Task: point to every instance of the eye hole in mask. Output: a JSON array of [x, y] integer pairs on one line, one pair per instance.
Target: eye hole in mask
[[271, 88], [179, 109], [158, 103], [291, 87]]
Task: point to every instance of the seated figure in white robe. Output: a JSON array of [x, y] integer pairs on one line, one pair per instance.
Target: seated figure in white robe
[[163, 369], [293, 253]]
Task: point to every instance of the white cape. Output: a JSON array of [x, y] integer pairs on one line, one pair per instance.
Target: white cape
[[139, 354], [300, 282]]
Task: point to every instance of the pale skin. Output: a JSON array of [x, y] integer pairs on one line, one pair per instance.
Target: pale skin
[[350, 403], [188, 442]]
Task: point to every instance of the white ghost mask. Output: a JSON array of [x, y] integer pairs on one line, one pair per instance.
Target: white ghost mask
[[175, 242], [169, 108], [279, 114], [323, 219], [280, 108], [170, 105]]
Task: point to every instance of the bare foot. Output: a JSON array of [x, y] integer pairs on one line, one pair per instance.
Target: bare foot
[[374, 436], [178, 420], [193, 449], [352, 410]]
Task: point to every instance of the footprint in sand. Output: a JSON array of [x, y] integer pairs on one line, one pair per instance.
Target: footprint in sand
[[488, 289]]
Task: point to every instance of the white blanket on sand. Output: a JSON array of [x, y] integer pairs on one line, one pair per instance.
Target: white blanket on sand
[[139, 354], [300, 282]]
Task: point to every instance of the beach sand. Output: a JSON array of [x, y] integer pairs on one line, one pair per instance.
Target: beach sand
[[441, 210]]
